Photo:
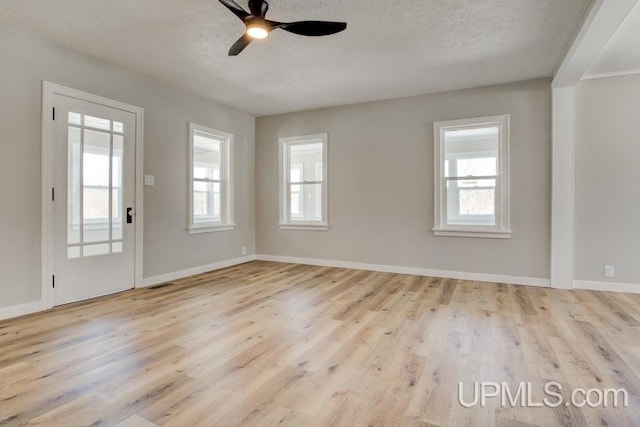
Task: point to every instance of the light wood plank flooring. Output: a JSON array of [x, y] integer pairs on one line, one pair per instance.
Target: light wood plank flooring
[[280, 344]]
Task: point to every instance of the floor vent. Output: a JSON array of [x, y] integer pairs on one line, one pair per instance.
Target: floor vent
[[160, 286]]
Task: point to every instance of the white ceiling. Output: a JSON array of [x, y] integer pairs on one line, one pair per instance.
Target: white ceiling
[[621, 54], [390, 48]]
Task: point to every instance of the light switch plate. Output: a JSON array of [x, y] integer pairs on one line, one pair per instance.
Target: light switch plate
[[149, 180]]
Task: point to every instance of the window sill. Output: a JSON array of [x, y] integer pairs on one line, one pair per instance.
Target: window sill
[[210, 228], [486, 234], [302, 227]]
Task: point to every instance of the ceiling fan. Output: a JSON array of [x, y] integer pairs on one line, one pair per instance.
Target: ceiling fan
[[259, 28]]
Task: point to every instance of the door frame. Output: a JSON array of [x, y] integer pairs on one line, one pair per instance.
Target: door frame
[[49, 90]]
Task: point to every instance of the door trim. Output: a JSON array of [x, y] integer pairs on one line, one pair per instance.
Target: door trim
[[49, 90]]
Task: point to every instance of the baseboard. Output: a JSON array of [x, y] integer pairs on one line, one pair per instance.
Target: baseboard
[[606, 286], [480, 277], [155, 280], [36, 306], [21, 310]]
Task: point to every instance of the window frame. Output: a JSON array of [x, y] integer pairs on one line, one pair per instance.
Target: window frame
[[502, 227], [226, 222], [286, 222]]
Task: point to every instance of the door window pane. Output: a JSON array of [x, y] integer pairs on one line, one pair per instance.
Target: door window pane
[[96, 194], [73, 185], [94, 185], [118, 127], [75, 118], [97, 123], [73, 252], [96, 205], [116, 247], [117, 207], [96, 158]]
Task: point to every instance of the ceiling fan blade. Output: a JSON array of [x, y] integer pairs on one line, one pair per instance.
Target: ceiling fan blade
[[240, 45], [311, 28], [235, 8]]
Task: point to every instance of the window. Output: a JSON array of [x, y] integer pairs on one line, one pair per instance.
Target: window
[[303, 183], [94, 185], [472, 177], [210, 181]]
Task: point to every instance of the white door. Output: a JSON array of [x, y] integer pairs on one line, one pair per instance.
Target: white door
[[94, 197]]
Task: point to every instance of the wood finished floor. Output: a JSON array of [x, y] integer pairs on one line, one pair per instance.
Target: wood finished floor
[[280, 344]]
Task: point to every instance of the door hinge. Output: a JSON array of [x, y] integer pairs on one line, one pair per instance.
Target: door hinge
[[54, 113], [53, 280], [53, 194]]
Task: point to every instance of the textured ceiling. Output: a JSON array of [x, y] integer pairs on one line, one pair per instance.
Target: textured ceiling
[[390, 49], [622, 53]]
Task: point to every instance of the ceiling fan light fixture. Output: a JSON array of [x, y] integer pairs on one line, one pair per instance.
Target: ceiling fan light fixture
[[257, 32], [257, 27]]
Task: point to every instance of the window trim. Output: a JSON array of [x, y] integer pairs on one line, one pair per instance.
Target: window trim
[[286, 223], [502, 227], [226, 222]]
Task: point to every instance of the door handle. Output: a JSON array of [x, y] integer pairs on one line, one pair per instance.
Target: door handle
[[130, 213]]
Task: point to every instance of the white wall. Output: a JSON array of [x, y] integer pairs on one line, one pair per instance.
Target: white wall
[[381, 183], [26, 61], [607, 230]]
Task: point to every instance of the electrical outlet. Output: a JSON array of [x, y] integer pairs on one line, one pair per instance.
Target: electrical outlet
[[609, 271], [244, 250]]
